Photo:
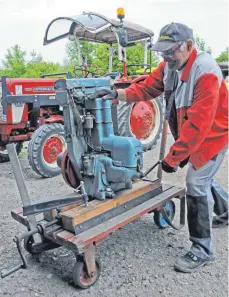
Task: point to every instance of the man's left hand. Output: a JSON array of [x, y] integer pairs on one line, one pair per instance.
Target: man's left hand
[[167, 168], [104, 93]]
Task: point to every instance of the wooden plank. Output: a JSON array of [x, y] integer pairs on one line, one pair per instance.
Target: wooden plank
[[103, 230], [51, 214], [68, 240], [78, 243], [81, 213]]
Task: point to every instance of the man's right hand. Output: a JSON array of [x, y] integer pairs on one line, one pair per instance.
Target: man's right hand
[[104, 93], [167, 168]]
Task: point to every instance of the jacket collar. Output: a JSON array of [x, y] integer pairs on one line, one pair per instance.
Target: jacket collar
[[188, 66]]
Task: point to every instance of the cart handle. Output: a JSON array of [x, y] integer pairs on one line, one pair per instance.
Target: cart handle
[[18, 241]]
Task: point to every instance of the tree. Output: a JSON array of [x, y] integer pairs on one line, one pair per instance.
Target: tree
[[36, 57], [16, 65], [223, 57], [101, 59], [36, 69], [201, 45], [135, 55], [36, 66], [75, 49], [98, 56], [14, 61]]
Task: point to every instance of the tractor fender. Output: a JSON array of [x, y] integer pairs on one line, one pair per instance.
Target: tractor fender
[[54, 119]]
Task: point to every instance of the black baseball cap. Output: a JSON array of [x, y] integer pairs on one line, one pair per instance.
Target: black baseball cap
[[171, 34]]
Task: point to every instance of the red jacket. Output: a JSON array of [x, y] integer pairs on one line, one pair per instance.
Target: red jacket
[[201, 101]]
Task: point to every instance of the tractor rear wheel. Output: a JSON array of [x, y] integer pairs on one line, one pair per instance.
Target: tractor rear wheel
[[142, 120], [45, 145], [4, 157]]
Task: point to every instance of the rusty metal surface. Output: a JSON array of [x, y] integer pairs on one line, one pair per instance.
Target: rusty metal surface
[[89, 257], [79, 243], [51, 204], [17, 215], [68, 172]]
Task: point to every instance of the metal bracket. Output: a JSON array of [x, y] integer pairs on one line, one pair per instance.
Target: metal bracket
[[89, 257], [52, 204]]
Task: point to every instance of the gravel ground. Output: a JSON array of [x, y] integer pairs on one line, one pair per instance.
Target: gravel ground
[[136, 260]]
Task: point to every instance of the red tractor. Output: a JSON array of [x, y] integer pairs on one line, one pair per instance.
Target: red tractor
[[25, 115], [30, 111]]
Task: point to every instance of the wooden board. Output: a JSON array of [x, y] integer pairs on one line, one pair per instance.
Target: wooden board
[[80, 214], [51, 214], [103, 230], [78, 243]]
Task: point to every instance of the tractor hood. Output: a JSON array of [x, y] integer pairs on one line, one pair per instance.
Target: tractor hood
[[93, 27]]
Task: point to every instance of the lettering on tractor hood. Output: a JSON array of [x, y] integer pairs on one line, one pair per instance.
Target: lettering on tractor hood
[[43, 89]]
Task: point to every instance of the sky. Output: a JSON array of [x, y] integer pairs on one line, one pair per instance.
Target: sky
[[24, 22]]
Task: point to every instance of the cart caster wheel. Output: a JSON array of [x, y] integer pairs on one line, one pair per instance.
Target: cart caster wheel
[[170, 210], [80, 276], [28, 245]]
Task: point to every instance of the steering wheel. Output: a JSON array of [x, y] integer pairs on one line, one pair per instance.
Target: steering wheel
[[76, 74], [142, 65]]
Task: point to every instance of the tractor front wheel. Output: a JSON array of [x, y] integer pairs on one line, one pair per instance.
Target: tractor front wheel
[[45, 145]]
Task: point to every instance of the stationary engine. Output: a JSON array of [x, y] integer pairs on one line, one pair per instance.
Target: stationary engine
[[103, 161]]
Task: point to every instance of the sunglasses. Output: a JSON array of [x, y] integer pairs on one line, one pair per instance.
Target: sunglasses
[[171, 52]]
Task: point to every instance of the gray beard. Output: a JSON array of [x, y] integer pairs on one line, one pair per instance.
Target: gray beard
[[174, 65]]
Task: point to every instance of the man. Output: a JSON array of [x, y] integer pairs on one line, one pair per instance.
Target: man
[[199, 123]]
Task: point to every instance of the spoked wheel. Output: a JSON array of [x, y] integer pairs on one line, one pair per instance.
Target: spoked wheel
[[45, 145], [143, 120], [170, 211], [4, 157], [80, 275]]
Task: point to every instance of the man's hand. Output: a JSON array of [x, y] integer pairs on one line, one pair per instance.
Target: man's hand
[[167, 168], [105, 94]]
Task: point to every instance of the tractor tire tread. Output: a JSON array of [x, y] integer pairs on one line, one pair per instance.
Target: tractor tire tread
[[35, 145]]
